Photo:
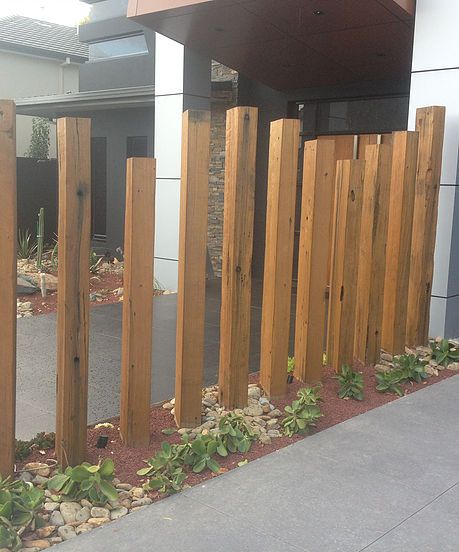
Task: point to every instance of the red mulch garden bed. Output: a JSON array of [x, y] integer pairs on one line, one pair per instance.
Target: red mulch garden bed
[[104, 284], [335, 410]]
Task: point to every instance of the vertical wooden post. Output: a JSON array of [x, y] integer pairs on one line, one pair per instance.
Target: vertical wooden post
[[372, 254], [74, 141], [343, 286], [8, 283], [241, 147], [192, 268], [280, 227], [314, 258], [430, 123], [400, 226], [136, 347]]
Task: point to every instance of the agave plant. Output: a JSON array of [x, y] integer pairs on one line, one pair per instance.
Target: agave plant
[[26, 246]]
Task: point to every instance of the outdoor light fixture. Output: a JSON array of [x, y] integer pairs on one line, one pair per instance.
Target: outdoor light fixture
[[102, 442], [318, 12]]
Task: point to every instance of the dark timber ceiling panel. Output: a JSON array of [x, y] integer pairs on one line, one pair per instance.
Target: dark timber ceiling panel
[[291, 44]]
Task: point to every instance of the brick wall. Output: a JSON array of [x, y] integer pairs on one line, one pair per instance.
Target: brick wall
[[224, 97]]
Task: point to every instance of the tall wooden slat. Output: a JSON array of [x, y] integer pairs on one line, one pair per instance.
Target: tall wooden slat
[[136, 354], [344, 145], [8, 281], [343, 286], [314, 257], [192, 268], [400, 226], [277, 283], [430, 123], [241, 146], [74, 141], [372, 254]]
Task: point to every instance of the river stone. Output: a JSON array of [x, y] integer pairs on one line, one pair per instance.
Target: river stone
[[253, 410], [97, 522], [67, 532], [137, 492], [254, 392], [52, 506], [37, 544], [83, 515], [69, 511], [141, 502], [85, 503], [56, 519], [45, 532], [454, 366], [83, 528], [118, 513], [124, 486], [276, 413], [99, 513]]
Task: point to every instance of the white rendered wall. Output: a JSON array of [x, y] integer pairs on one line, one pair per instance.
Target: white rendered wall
[[182, 81], [435, 81]]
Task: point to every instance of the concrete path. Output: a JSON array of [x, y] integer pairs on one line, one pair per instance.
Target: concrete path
[[36, 380], [386, 481]]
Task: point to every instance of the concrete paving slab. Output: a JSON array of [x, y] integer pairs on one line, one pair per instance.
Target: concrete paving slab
[[314, 495], [433, 529], [174, 519]]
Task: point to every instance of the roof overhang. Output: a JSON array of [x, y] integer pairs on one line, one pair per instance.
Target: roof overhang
[[82, 102], [292, 44]]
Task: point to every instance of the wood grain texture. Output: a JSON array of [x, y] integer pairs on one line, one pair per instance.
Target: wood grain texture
[[430, 123], [136, 347], [8, 281], [372, 254], [277, 283], [192, 268], [400, 227], [345, 254], [74, 145], [314, 258], [241, 147]]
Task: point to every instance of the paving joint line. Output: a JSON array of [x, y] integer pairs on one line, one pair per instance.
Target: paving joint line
[[409, 517]]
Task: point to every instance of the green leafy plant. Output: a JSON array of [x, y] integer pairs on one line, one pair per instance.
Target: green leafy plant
[[234, 435], [86, 481], [20, 503], [406, 368], [26, 246], [9, 537], [40, 140], [350, 383], [41, 441], [94, 262], [411, 367], [290, 365], [303, 412], [445, 352], [199, 455], [165, 469], [390, 382]]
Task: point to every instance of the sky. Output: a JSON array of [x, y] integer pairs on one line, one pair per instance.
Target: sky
[[66, 12]]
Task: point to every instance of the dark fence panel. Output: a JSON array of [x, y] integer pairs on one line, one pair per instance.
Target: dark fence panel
[[37, 187]]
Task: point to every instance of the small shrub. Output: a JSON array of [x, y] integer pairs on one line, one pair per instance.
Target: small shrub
[[406, 368], [444, 353], [350, 384], [303, 412], [165, 469], [199, 455], [20, 504], [26, 246], [390, 382], [86, 481], [234, 435], [94, 262]]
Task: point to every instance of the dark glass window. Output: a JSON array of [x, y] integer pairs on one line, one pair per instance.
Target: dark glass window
[[120, 47], [356, 116], [136, 146], [99, 187]]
